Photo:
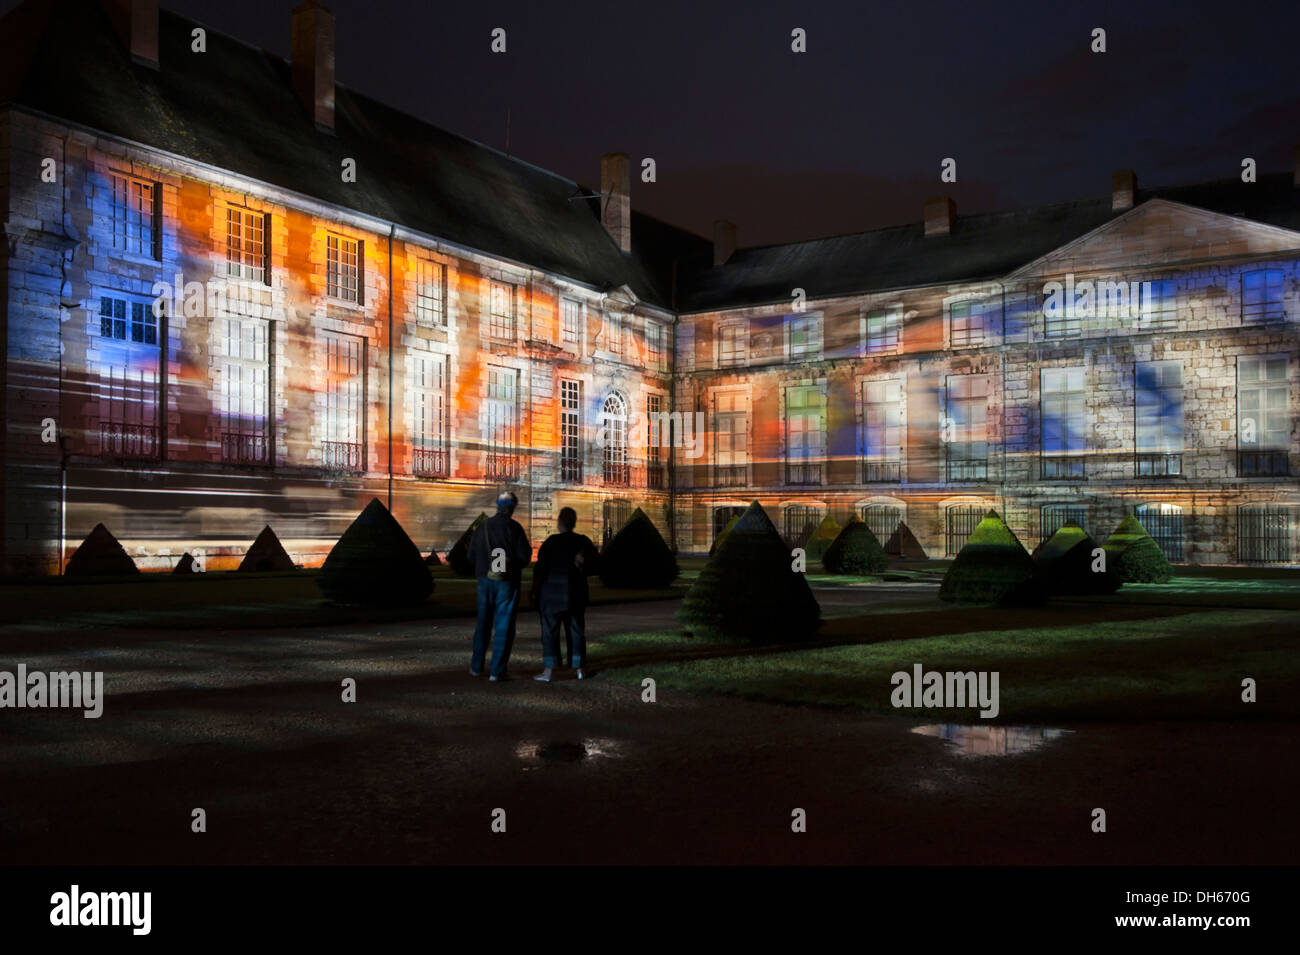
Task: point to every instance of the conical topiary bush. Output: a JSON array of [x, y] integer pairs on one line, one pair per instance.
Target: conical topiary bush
[[855, 551], [375, 563], [993, 567], [903, 543], [266, 554], [748, 592], [1134, 557], [717, 541], [99, 555], [433, 560], [637, 556], [186, 565], [458, 557], [1064, 564], [822, 536]]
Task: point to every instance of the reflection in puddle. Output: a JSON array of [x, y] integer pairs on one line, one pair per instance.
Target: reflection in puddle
[[992, 740], [539, 751]]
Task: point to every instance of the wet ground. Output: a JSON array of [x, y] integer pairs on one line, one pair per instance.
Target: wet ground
[[251, 728]]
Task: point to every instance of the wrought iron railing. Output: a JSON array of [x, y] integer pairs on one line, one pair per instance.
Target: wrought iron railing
[[123, 440]]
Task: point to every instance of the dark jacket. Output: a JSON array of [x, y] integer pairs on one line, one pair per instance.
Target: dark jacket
[[558, 582], [500, 531]]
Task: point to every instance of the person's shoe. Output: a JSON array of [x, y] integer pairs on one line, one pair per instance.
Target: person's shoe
[[580, 676], [543, 677], [498, 679], [473, 672]]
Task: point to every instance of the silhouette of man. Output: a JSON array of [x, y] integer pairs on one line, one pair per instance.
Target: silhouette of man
[[500, 551], [559, 590]]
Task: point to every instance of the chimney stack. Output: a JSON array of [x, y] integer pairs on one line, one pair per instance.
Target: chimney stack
[[616, 198], [724, 241], [940, 213], [136, 24], [311, 56], [1123, 189]]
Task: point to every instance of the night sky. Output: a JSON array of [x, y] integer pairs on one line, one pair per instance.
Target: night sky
[[849, 135]]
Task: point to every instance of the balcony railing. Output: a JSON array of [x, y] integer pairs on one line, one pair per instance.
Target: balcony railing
[[962, 470], [1160, 464], [430, 462], [571, 469], [502, 467], [730, 475], [1262, 464], [656, 476], [880, 472], [122, 440], [340, 456], [617, 473], [1058, 466], [803, 473], [245, 447]]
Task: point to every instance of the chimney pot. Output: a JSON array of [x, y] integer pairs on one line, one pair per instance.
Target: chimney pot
[[940, 214], [311, 52], [616, 198], [136, 24], [1123, 189], [724, 241]]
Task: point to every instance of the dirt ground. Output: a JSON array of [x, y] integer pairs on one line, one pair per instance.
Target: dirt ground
[[250, 727]]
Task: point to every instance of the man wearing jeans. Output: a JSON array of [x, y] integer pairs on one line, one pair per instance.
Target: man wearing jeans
[[564, 563], [500, 551]]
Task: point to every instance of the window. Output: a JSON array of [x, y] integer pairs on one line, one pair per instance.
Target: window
[[1159, 418], [882, 430], [882, 328], [966, 324], [126, 393], [1062, 399], [341, 448], [614, 514], [804, 335], [800, 521], [247, 234], [135, 216], [501, 311], [722, 516], [1060, 318], [128, 320], [570, 321], [805, 433], [883, 520], [430, 285], [1263, 416], [570, 431], [1261, 296], [730, 439], [343, 268], [1056, 516], [614, 334], [429, 419], [731, 345], [660, 439], [966, 427], [245, 391], [960, 522], [613, 423], [1160, 307], [1263, 534], [654, 345], [501, 424], [1164, 522]]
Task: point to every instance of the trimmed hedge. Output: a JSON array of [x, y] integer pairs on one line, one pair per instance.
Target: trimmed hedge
[[993, 567], [100, 555], [903, 543], [375, 563], [186, 565], [637, 556], [855, 551], [1134, 557], [433, 560], [458, 557], [821, 538], [1064, 563], [266, 554], [748, 592]]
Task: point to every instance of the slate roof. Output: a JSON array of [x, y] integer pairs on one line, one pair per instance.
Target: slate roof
[[233, 108]]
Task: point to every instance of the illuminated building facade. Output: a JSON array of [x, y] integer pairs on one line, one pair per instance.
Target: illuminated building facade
[[356, 304]]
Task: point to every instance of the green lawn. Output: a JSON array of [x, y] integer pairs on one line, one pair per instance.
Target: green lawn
[[1186, 666]]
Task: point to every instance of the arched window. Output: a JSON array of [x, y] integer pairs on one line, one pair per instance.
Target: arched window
[[883, 519], [1264, 534], [1056, 516], [962, 519], [1164, 522], [613, 418]]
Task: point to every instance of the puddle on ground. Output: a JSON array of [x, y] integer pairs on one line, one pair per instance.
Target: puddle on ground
[[553, 751], [992, 740]]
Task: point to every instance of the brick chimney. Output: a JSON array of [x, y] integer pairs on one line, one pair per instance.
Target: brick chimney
[[136, 24], [1123, 189], [616, 198], [311, 56], [724, 241], [940, 214]]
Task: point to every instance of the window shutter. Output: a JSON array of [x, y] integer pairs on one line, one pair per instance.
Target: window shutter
[[361, 272], [157, 221], [266, 249]]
